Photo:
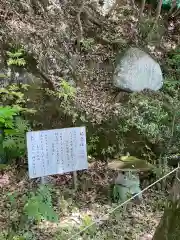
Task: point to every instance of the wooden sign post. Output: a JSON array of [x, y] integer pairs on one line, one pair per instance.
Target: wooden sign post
[[56, 151]]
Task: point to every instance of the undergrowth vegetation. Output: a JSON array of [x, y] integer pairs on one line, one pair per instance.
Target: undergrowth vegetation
[[13, 125], [145, 125], [28, 209]]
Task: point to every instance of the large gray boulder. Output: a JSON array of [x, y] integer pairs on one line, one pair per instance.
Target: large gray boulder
[[136, 71], [7, 77]]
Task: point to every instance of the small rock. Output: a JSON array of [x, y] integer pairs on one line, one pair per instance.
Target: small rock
[[136, 71], [146, 237], [106, 6]]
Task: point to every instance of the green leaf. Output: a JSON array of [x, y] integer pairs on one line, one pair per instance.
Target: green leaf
[[21, 125], [9, 131], [8, 112], [19, 238], [2, 120], [3, 75], [12, 198], [16, 54], [3, 166], [39, 205]]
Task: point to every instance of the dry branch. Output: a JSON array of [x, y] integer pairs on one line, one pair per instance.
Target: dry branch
[[133, 4], [91, 18], [158, 10], [143, 3], [176, 13], [80, 33], [172, 7]]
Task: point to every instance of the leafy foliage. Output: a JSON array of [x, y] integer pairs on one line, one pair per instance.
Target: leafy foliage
[[12, 124], [33, 206], [172, 70], [14, 129], [87, 44], [6, 116], [39, 205], [169, 3], [66, 91], [64, 96], [14, 141], [92, 145], [14, 96], [16, 58], [148, 117], [86, 221], [151, 119]]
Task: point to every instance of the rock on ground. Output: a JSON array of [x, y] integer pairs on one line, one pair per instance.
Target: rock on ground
[[146, 237], [137, 71]]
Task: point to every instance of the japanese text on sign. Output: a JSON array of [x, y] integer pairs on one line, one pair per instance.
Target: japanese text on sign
[[56, 151]]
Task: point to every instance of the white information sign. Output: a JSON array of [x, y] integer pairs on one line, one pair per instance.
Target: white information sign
[[56, 151]]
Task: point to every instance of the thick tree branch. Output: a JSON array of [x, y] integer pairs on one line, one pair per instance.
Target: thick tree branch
[[172, 7], [158, 10], [143, 3], [80, 33]]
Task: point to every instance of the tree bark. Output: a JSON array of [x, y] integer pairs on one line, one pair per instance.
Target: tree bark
[[143, 3], [169, 226], [158, 10]]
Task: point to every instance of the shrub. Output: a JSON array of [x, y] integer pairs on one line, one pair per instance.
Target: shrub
[[13, 130], [63, 98], [12, 124], [146, 125], [31, 207], [152, 117]]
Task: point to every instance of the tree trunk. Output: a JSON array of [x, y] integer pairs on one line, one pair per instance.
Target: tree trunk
[[169, 226]]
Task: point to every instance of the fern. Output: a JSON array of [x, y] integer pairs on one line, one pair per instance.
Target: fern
[[18, 62], [16, 58], [13, 126], [21, 125], [16, 54], [9, 143], [14, 129]]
